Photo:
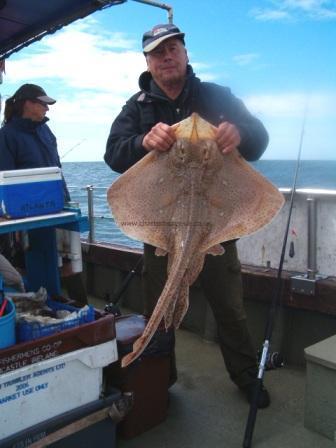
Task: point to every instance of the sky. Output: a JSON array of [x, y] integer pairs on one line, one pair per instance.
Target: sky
[[278, 56]]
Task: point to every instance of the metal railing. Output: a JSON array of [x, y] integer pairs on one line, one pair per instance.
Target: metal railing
[[168, 8], [89, 191], [312, 233], [313, 197]]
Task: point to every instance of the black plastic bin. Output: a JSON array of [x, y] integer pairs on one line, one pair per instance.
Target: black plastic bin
[[147, 378]]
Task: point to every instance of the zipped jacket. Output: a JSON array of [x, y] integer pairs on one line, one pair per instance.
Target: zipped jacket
[[150, 106], [25, 143]]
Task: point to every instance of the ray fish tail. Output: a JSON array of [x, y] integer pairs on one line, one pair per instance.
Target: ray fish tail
[[175, 276]]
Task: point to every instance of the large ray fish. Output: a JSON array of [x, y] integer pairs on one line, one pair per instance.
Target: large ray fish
[[185, 202]]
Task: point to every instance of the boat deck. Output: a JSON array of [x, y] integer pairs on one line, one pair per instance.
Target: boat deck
[[207, 410]]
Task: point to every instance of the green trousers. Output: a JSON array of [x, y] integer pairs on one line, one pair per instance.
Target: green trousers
[[221, 282]]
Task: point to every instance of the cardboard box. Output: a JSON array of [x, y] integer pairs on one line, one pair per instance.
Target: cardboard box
[[31, 192]]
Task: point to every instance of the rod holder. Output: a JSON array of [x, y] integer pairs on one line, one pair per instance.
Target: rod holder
[[306, 284], [312, 230], [89, 190]]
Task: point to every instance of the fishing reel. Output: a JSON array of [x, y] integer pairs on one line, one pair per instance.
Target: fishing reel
[[274, 360], [112, 308]]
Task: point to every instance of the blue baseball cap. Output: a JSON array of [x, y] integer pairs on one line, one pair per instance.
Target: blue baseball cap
[[151, 39]]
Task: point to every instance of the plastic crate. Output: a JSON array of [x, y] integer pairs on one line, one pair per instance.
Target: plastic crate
[[93, 432], [28, 331], [22, 354], [46, 389]]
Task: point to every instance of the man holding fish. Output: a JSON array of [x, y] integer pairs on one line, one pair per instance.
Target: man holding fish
[[170, 92]]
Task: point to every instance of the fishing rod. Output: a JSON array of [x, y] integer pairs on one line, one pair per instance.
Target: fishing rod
[[272, 312], [113, 306], [72, 148]]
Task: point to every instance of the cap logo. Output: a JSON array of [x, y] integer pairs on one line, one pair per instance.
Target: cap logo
[[159, 31]]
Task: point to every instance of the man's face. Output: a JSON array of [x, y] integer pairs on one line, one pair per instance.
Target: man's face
[[35, 110], [168, 61]]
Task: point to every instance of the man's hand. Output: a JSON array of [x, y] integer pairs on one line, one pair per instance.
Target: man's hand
[[160, 138], [227, 137]]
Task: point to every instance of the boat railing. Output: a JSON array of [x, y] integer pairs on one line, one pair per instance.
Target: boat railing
[[89, 190], [311, 247]]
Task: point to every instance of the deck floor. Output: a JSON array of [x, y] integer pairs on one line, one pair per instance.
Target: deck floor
[[207, 410]]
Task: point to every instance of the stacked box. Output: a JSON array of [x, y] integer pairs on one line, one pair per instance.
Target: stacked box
[[46, 389], [28, 331], [89, 425], [38, 350]]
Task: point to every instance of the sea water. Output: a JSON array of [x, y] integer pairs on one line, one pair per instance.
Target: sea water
[[80, 175]]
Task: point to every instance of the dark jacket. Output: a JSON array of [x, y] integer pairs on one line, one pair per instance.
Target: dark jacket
[[150, 106], [28, 144]]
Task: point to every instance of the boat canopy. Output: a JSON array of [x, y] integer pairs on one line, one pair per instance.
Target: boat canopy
[[23, 22]]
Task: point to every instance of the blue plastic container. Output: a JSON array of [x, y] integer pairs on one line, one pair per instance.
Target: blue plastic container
[[31, 192], [29, 331], [7, 326]]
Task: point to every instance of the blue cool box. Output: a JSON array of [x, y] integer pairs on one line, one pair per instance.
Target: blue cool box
[[31, 192]]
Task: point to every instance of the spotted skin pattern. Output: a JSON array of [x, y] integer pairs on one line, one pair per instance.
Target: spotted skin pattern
[[185, 202]]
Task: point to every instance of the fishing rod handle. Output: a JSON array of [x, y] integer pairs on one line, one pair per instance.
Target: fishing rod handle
[[252, 415], [122, 288]]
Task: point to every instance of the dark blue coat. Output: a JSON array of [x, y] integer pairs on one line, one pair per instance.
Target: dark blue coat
[[28, 144], [150, 106]]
